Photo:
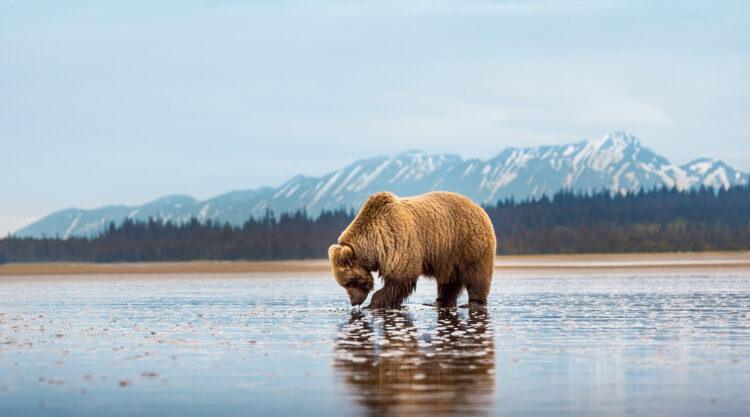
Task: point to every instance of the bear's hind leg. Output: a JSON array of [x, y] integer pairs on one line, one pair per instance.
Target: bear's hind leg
[[477, 279], [393, 293]]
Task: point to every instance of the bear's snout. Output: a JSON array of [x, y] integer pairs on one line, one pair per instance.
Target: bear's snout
[[356, 295]]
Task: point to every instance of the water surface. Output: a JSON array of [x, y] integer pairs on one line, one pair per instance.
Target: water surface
[[625, 343]]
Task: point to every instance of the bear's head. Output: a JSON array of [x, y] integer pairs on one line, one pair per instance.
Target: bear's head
[[356, 280]]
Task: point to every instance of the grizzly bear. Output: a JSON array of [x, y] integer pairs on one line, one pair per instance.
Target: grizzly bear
[[439, 234]]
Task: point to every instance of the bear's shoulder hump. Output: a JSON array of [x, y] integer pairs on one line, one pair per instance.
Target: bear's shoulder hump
[[380, 199]]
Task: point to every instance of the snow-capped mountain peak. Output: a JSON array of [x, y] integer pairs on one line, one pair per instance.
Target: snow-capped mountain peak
[[714, 173], [617, 162]]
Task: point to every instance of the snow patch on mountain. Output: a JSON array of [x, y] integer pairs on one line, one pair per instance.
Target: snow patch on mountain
[[72, 226], [617, 162]]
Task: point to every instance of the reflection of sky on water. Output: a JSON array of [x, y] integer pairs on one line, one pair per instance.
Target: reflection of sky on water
[[651, 344]]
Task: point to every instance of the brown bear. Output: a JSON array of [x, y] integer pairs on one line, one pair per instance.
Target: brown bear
[[439, 234]]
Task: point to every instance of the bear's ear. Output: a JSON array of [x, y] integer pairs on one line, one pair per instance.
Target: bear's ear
[[342, 255], [332, 250], [346, 256]]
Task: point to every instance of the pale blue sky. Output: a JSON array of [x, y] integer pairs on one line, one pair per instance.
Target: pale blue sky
[[107, 102]]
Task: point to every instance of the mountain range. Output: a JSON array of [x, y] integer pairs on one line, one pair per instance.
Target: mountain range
[[617, 162]]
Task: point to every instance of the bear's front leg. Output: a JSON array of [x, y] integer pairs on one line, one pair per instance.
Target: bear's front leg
[[393, 293]]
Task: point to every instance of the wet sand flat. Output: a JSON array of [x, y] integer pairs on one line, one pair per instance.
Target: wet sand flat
[[584, 342], [520, 262], [149, 268]]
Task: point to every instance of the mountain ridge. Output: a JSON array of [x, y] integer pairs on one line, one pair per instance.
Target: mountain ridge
[[617, 162]]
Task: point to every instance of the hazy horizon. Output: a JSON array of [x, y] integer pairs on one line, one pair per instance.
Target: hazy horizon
[[125, 103]]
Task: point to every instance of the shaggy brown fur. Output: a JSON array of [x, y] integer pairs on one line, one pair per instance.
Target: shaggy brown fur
[[439, 234]]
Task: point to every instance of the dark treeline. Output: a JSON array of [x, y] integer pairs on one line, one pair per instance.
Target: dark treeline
[[291, 236], [662, 220], [653, 221]]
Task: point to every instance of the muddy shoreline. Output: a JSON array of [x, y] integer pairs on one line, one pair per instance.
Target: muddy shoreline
[[523, 262]]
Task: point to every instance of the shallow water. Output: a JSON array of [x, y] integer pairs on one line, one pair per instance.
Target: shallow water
[[635, 343]]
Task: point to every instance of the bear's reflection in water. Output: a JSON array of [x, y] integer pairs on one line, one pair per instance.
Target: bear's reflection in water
[[443, 368]]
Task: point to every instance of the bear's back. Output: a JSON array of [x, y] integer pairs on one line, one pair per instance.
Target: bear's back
[[451, 225]]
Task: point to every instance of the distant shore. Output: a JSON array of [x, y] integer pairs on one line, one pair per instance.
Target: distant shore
[[514, 262]]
